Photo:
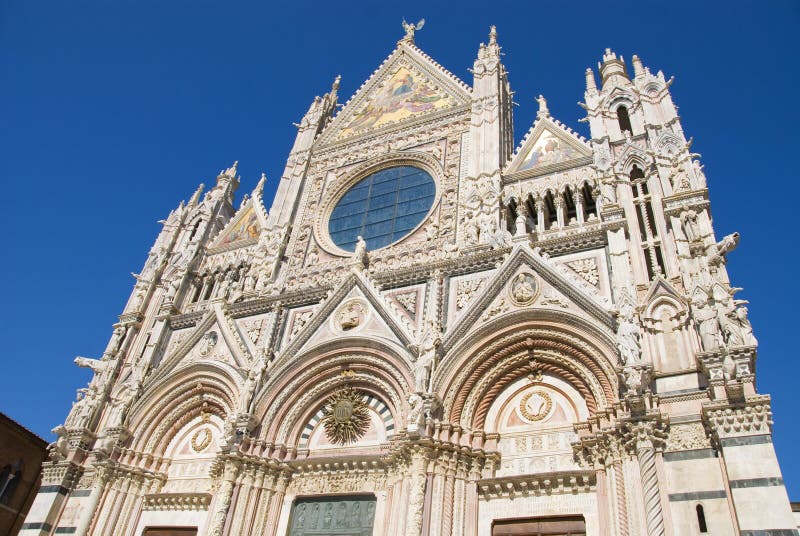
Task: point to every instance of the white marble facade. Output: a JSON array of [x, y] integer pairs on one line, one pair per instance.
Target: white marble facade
[[556, 338]]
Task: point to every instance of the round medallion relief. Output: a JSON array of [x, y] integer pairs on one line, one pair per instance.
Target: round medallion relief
[[523, 289], [201, 439], [535, 406], [350, 315]]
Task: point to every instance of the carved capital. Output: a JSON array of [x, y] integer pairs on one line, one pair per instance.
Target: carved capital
[[751, 417]]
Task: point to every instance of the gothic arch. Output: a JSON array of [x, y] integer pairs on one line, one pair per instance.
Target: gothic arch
[[166, 407], [477, 369], [291, 398], [668, 333]]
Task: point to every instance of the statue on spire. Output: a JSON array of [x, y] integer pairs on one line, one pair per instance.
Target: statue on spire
[[543, 110], [411, 28]]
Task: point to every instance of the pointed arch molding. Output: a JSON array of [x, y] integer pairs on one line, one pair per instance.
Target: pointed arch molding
[[166, 407], [288, 400], [477, 369]]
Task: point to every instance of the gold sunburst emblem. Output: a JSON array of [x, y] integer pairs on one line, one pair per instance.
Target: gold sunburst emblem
[[535, 405], [201, 439], [345, 416]]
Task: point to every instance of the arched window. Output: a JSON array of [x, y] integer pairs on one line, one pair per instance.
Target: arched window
[[570, 210], [194, 230], [550, 211], [648, 230], [589, 203], [624, 120], [9, 478], [701, 519]]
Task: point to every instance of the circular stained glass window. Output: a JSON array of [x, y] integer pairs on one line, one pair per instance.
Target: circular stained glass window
[[382, 207]]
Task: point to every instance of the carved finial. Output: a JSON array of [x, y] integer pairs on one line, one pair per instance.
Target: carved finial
[[336, 81], [411, 28], [196, 196], [543, 111], [231, 171], [638, 69], [492, 35], [260, 186], [591, 85]]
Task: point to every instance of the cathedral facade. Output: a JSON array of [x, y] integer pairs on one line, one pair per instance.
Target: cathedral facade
[[431, 331]]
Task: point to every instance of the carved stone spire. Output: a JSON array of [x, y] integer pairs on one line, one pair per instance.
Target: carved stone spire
[[196, 196]]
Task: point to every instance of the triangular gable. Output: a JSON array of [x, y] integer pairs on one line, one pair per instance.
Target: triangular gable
[[214, 338], [549, 146], [659, 288], [246, 225], [243, 229], [355, 290], [561, 292], [407, 86]]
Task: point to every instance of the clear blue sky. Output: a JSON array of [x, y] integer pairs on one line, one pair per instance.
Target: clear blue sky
[[112, 112]]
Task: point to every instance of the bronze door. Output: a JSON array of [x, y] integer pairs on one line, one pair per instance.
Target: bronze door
[[333, 516]]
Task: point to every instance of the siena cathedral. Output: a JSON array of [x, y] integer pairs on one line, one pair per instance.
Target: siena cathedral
[[433, 330]]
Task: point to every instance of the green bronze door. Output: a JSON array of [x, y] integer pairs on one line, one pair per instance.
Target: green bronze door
[[333, 516]]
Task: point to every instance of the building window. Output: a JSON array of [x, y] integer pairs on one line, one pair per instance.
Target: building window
[[9, 479], [648, 231], [624, 120], [701, 519], [382, 208]]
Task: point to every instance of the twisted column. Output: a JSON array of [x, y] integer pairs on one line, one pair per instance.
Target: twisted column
[[652, 500], [622, 500]]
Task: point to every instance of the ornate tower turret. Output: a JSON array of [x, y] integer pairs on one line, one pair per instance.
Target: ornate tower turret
[[491, 143], [288, 195]]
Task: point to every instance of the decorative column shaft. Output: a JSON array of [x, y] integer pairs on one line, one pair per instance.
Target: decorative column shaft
[[579, 210], [646, 453], [540, 215], [560, 216], [91, 505], [416, 497], [224, 496], [622, 500]]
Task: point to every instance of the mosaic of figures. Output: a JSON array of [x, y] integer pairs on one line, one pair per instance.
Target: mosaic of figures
[[407, 93]]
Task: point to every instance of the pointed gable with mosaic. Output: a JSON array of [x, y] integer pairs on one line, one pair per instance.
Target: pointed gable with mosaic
[[408, 86], [549, 146]]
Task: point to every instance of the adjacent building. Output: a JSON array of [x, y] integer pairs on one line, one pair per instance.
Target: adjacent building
[[21, 455]]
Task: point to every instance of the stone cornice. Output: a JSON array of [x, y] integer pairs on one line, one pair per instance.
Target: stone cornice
[[555, 483], [674, 204], [751, 417], [177, 501]]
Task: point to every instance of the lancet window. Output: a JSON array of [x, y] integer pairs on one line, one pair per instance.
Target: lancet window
[[648, 231], [624, 120]]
